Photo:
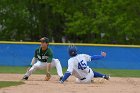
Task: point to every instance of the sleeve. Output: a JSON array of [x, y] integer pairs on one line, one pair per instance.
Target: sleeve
[[96, 57], [50, 56], [87, 57]]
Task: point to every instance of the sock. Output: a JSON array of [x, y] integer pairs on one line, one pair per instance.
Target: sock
[[96, 74]]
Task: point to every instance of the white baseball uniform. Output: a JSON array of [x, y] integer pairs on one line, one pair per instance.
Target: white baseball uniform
[[43, 65], [77, 66]]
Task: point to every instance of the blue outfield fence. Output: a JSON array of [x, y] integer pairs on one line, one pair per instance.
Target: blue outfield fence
[[118, 57]]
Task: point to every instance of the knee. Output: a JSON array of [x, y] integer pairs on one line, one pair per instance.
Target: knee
[[35, 67]]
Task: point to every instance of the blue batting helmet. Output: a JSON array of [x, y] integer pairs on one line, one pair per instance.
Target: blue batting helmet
[[72, 50]]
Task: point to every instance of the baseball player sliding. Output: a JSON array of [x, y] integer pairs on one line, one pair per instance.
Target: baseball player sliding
[[77, 66], [43, 59]]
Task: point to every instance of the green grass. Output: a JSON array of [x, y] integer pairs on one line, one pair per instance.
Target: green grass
[[17, 70], [112, 72], [9, 83]]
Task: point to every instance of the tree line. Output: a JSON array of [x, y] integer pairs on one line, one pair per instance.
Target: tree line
[[77, 21]]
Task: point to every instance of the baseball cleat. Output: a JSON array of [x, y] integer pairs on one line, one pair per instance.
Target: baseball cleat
[[25, 78], [107, 77]]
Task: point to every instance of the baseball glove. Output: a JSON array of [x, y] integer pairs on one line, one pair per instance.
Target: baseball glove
[[48, 76]]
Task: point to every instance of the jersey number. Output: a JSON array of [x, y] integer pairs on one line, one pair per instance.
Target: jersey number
[[82, 65]]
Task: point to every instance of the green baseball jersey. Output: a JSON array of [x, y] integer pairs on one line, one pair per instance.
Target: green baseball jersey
[[44, 56]]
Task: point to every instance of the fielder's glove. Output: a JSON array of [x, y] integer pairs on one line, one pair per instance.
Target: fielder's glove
[[48, 76]]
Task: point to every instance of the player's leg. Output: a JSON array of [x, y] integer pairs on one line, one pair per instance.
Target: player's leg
[[56, 63], [37, 65], [97, 74], [87, 79]]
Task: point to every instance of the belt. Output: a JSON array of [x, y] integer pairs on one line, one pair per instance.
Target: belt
[[89, 71], [84, 77]]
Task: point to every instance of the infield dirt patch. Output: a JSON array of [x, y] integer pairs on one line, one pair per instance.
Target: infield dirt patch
[[36, 84]]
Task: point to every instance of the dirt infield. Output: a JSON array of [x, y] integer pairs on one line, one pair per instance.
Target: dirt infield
[[36, 84]]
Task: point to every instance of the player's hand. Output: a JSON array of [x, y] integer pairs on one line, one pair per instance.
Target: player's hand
[[103, 54]]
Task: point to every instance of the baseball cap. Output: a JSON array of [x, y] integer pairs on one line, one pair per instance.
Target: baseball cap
[[44, 39]]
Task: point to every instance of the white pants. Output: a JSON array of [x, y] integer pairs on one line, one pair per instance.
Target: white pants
[[87, 79], [43, 65]]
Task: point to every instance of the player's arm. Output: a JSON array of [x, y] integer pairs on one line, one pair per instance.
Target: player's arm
[[48, 75], [49, 60], [97, 57], [68, 72], [48, 68]]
